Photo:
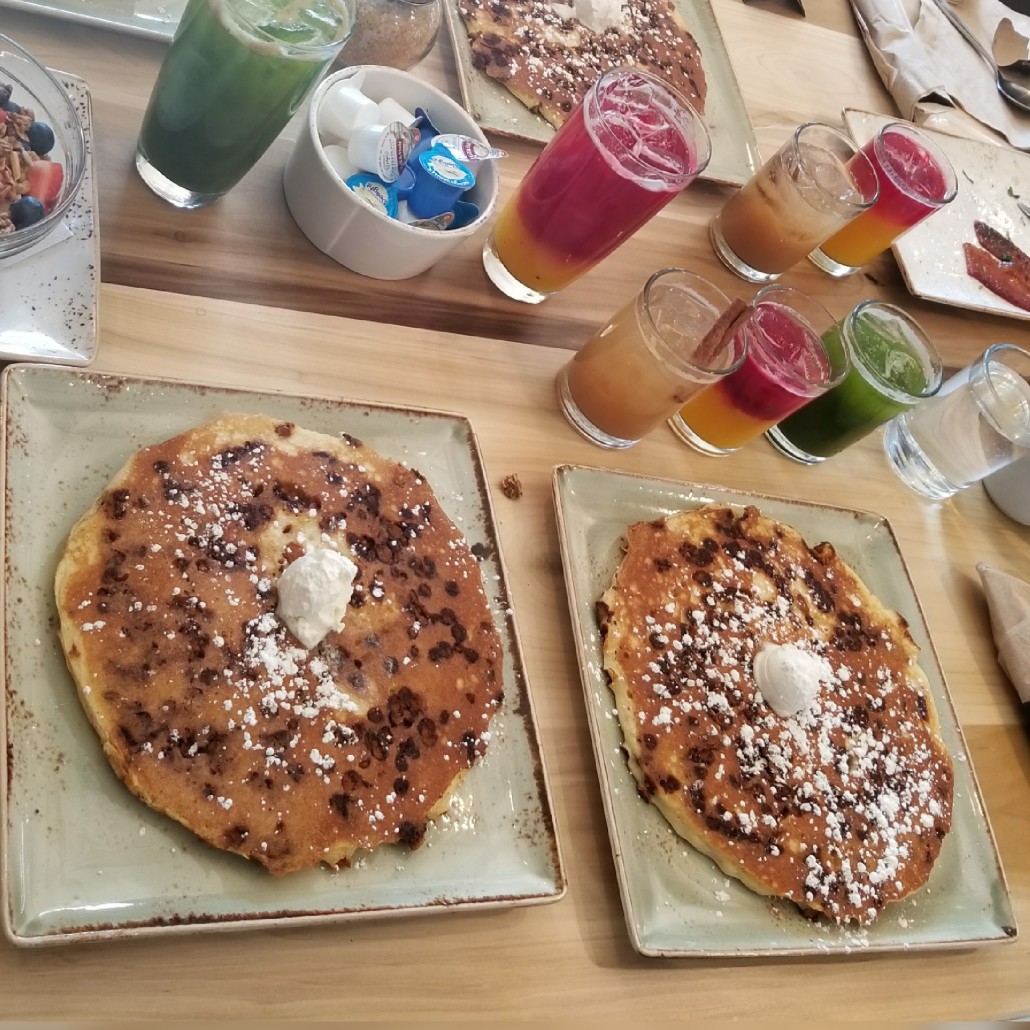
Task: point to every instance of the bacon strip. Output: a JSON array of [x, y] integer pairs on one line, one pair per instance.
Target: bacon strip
[[1000, 265]]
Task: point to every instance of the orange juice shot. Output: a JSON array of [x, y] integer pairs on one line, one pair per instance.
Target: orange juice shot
[[669, 342], [915, 179], [625, 152]]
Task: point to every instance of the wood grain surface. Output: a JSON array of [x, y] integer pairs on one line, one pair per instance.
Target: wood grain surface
[[235, 295], [571, 959]]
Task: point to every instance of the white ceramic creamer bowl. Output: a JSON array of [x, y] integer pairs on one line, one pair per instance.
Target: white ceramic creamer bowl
[[346, 228]]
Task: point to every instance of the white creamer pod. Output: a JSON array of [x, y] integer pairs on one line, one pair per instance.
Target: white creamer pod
[[470, 152], [338, 160], [344, 110], [391, 111], [382, 149]]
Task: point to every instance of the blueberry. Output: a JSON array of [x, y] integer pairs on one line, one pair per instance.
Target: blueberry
[[26, 211], [41, 138], [6, 89], [11, 107]]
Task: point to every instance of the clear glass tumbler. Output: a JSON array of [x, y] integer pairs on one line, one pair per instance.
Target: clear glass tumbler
[[625, 152], [675, 337], [915, 179], [978, 423], [236, 72], [812, 186], [894, 365], [787, 363]]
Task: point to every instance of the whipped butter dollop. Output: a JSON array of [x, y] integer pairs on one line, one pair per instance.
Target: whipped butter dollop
[[788, 677], [596, 15], [314, 591]]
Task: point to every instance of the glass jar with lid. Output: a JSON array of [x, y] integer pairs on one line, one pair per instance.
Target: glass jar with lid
[[395, 33]]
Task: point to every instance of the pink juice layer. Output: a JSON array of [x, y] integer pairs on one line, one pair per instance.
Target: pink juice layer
[[576, 203], [780, 353], [907, 162]]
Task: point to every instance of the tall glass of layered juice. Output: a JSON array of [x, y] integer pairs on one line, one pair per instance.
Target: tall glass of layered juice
[[624, 153], [236, 72], [787, 363], [814, 184], [894, 365], [915, 179], [670, 341]]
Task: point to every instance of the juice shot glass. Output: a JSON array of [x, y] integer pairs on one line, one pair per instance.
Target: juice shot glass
[[625, 152], [814, 184], [234, 75], [676, 336], [894, 365], [915, 179], [978, 423], [786, 364]]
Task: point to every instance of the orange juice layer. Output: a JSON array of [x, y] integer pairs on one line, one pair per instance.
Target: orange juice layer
[[720, 422], [863, 239], [529, 260]]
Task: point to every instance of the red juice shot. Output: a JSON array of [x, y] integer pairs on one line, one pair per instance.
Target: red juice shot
[[786, 365], [624, 153], [916, 178]]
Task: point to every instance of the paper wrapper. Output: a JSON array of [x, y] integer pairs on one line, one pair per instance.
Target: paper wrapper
[[922, 60], [1008, 601]]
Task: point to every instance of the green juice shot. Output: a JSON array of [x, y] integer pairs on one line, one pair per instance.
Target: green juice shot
[[236, 72], [894, 365]]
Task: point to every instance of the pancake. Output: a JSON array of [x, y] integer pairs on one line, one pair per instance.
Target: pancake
[[547, 58], [840, 807], [211, 710]]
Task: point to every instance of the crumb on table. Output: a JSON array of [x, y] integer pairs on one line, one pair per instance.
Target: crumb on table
[[511, 486]]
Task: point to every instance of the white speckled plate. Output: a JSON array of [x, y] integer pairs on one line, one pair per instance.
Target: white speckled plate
[[48, 297], [154, 18], [80, 857], [677, 901], [734, 148], [991, 179]]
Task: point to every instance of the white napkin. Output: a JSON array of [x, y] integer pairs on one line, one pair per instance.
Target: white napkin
[[921, 57], [1008, 601]]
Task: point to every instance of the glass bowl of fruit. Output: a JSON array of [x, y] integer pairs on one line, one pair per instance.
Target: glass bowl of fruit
[[42, 150]]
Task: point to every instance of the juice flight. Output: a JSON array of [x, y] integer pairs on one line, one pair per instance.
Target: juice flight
[[913, 184], [236, 72], [784, 367], [893, 367], [625, 152]]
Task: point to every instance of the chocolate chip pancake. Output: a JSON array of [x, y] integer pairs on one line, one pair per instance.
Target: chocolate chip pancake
[[840, 805], [211, 710], [548, 58]]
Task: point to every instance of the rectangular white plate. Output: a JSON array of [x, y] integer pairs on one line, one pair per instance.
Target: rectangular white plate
[[734, 148], [991, 179], [48, 299], [677, 901], [154, 18], [80, 857]]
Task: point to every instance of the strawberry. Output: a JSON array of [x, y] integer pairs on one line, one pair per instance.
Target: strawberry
[[45, 179]]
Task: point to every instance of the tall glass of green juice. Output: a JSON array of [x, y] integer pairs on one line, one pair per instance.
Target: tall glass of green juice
[[894, 365], [234, 75]]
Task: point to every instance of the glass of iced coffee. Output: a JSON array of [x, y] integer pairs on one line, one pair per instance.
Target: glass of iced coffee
[[816, 183], [678, 335]]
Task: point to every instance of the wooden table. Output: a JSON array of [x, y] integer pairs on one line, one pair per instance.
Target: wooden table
[[483, 356]]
